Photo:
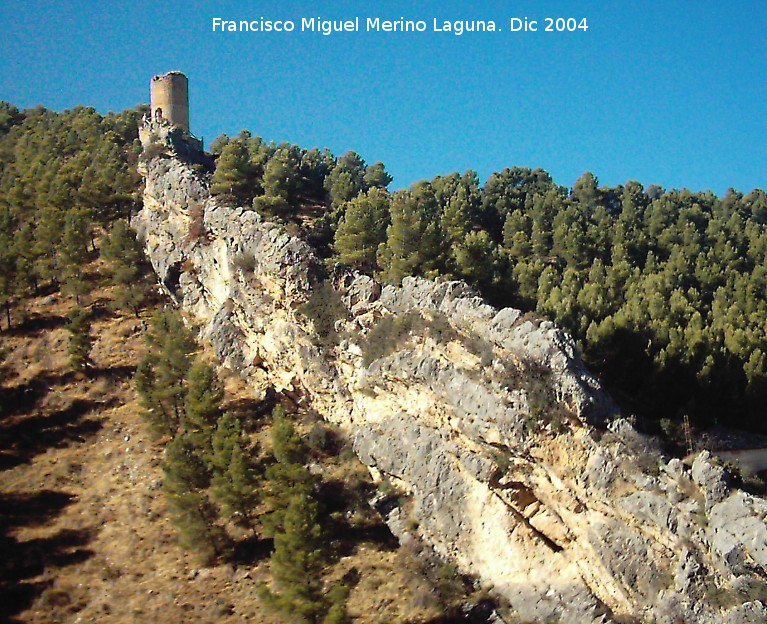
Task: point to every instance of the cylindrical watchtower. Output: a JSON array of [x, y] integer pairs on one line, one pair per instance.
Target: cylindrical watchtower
[[170, 99]]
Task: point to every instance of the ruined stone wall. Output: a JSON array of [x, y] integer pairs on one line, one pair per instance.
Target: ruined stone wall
[[512, 459], [170, 95]]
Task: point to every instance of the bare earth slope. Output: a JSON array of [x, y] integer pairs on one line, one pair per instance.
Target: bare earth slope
[[85, 525]]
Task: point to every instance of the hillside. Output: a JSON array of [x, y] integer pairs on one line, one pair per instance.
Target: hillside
[[493, 450], [85, 526], [507, 456]]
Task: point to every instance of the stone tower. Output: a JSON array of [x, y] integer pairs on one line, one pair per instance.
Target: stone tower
[[170, 99]]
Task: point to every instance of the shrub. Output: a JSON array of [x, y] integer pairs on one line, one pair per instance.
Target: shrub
[[271, 206], [321, 439], [153, 150], [323, 308], [387, 335], [538, 383], [197, 229]]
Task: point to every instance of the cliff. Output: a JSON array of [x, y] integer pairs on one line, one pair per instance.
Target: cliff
[[508, 457]]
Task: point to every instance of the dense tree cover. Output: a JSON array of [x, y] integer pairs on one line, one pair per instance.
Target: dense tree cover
[[280, 180], [73, 159], [61, 174]]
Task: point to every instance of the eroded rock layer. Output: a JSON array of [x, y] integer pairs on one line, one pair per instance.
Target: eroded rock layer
[[513, 462]]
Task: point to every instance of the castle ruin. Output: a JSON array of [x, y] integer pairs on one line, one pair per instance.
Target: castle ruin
[[170, 99]]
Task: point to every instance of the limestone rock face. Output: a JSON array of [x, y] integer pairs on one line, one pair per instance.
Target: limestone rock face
[[514, 463]]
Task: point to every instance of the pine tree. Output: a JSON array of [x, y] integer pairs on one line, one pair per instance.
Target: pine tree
[[186, 477], [7, 265], [287, 446], [516, 235], [296, 563], [202, 406], [24, 251], [288, 477], [376, 176], [125, 261], [414, 243], [80, 341], [345, 181], [336, 599], [234, 175], [145, 379], [160, 376], [225, 438], [9, 117], [281, 184], [184, 467], [585, 190], [74, 252], [260, 152], [281, 175], [315, 166], [362, 230], [234, 478], [50, 224], [195, 518], [473, 258], [219, 143], [458, 217]]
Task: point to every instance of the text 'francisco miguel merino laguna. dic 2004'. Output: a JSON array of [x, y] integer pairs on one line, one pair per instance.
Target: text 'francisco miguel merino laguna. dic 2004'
[[401, 25]]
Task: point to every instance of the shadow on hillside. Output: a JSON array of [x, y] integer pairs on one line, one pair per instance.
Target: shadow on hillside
[[25, 560], [112, 372], [24, 398], [481, 613], [337, 499], [352, 536], [101, 311], [36, 324], [252, 413], [31, 508], [20, 399], [251, 550], [24, 438]]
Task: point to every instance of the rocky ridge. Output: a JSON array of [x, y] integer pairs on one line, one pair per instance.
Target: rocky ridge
[[508, 458]]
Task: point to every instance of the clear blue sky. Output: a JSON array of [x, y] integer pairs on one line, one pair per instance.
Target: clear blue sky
[[673, 93]]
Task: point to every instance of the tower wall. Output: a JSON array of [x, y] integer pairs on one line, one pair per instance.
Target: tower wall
[[170, 98]]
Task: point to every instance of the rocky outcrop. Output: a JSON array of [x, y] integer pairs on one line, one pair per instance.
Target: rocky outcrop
[[512, 461]]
